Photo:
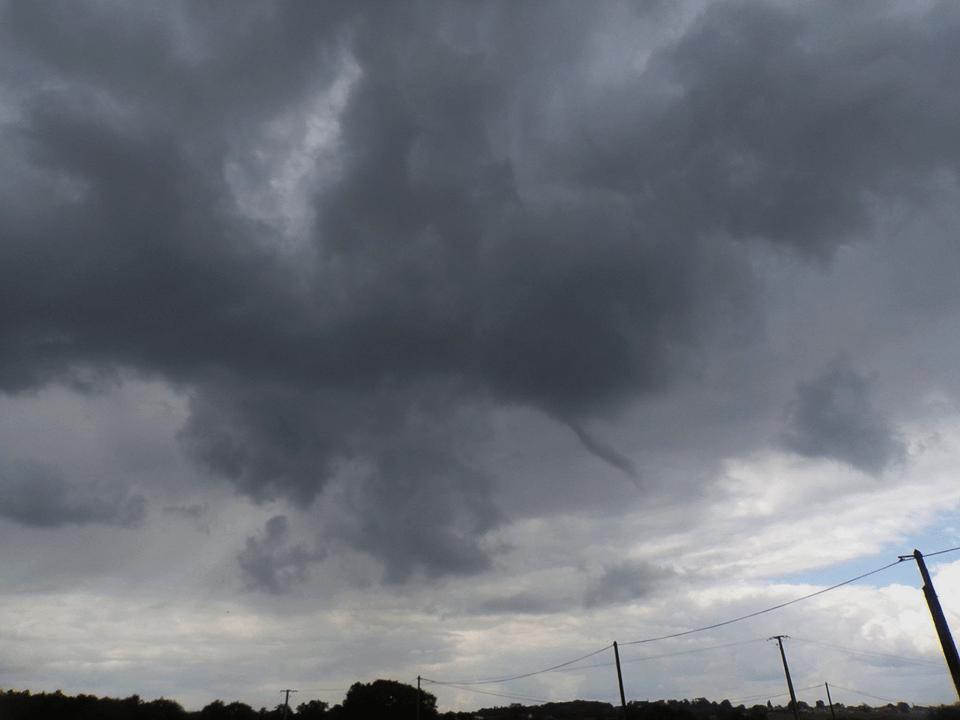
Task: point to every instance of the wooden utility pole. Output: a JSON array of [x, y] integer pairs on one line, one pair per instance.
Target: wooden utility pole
[[830, 700], [939, 622], [786, 671], [418, 697], [623, 698], [286, 702]]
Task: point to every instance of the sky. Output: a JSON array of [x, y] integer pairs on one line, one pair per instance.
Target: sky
[[344, 341]]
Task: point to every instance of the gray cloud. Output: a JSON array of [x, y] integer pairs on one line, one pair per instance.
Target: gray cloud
[[485, 235], [762, 122], [195, 514], [36, 495], [269, 564], [625, 582], [519, 604], [832, 417], [421, 507], [192, 512]]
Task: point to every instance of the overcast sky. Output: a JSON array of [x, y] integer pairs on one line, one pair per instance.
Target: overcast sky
[[461, 339]]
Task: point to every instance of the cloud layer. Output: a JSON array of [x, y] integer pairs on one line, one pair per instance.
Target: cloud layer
[[832, 418], [422, 273], [35, 495]]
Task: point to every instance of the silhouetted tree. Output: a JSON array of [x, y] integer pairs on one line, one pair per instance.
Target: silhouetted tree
[[659, 711], [312, 710], [217, 710], [162, 709], [241, 711], [386, 700]]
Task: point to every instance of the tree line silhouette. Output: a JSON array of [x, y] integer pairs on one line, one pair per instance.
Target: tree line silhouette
[[393, 700], [381, 700]]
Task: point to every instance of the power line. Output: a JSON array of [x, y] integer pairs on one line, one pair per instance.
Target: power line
[[491, 681], [663, 655], [694, 650], [875, 697], [941, 552], [526, 675], [316, 690], [761, 612], [768, 696], [509, 696], [926, 663]]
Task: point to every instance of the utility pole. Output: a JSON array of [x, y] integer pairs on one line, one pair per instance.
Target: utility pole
[[786, 671], [286, 702], [418, 697], [830, 700], [623, 698], [939, 621]]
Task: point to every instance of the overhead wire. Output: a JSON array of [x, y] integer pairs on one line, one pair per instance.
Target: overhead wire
[[663, 655], [509, 696], [762, 612], [694, 650], [768, 696], [529, 674], [463, 683], [941, 552], [859, 692], [910, 661]]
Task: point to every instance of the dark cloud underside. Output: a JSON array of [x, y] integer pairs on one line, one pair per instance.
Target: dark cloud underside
[[519, 604], [625, 582], [269, 564], [39, 496], [495, 226], [832, 417]]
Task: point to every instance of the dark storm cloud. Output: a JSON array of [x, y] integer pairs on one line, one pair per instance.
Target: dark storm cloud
[[493, 227], [419, 509], [415, 498], [37, 495], [782, 122], [519, 604], [419, 500], [832, 417], [268, 563], [192, 512], [624, 583]]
